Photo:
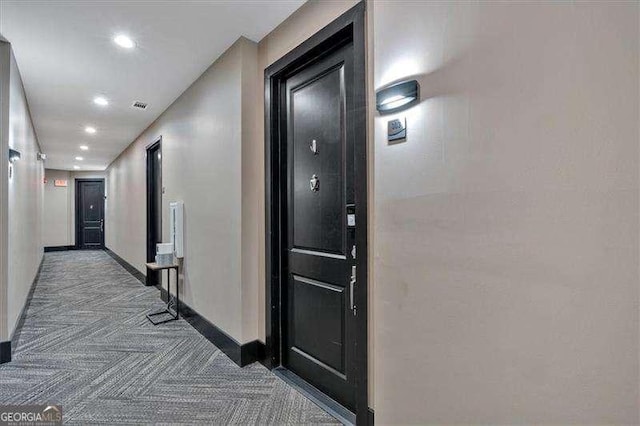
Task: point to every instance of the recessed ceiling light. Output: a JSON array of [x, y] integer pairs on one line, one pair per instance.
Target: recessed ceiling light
[[76, 167], [84, 147], [79, 158], [90, 129], [99, 100], [124, 41]]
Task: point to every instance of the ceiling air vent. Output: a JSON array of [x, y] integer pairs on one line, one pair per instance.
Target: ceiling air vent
[[139, 105]]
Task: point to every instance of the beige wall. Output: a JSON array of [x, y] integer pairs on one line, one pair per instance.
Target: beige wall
[[59, 206], [25, 201], [252, 227], [506, 233], [202, 151], [56, 220], [126, 222]]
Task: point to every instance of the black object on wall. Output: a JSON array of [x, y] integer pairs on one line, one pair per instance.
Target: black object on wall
[[398, 96]]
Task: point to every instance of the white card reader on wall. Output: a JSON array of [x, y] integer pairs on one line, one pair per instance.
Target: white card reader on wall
[[397, 129], [351, 216], [176, 224]]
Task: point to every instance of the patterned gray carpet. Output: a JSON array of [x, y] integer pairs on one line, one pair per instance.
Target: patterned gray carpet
[[87, 345]]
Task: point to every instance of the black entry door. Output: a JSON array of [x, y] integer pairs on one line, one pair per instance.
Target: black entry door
[[319, 317], [154, 207], [90, 214]]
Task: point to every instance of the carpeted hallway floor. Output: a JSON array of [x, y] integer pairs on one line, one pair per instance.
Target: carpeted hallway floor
[[87, 345]]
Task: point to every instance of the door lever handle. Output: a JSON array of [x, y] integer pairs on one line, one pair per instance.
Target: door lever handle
[[352, 283], [101, 225]]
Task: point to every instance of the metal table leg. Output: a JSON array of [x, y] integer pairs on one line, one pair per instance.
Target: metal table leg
[[174, 315]]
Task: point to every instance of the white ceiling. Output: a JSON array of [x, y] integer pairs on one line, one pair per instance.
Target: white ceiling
[[66, 56]]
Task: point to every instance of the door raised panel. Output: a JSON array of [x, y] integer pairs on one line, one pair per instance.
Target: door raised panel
[[317, 117], [318, 314]]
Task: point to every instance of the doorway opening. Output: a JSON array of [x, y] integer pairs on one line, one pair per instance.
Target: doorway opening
[[316, 231], [154, 206], [89, 198]]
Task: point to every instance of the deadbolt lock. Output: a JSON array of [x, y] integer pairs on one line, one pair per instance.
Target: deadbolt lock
[[314, 183]]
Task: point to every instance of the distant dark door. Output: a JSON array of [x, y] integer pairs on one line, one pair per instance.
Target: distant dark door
[[319, 321], [154, 206], [90, 214]]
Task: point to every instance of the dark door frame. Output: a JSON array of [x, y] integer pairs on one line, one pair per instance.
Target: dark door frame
[[349, 27], [77, 209], [150, 219]]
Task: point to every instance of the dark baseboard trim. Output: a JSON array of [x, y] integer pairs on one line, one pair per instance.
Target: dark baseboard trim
[[241, 354], [263, 358], [15, 336], [58, 248], [5, 351], [370, 417], [252, 352], [126, 265]]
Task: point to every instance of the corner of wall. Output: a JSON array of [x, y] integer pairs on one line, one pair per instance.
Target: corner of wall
[[252, 182], [5, 66], [370, 64]]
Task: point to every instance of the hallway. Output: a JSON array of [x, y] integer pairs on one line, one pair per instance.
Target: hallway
[[371, 212], [87, 345]]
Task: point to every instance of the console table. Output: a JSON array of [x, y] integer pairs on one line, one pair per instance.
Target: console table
[[167, 311]]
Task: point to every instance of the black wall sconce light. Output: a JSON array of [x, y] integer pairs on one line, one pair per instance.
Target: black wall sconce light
[[398, 96], [14, 155]]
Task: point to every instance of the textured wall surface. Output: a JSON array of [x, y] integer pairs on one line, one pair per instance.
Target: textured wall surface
[[506, 233], [56, 226], [26, 192]]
